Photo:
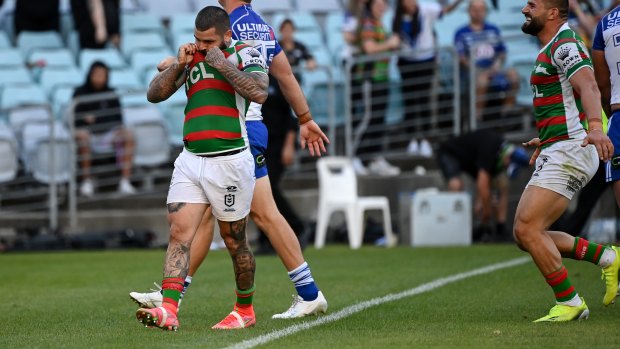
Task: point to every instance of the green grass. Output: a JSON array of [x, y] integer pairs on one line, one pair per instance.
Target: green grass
[[80, 300]]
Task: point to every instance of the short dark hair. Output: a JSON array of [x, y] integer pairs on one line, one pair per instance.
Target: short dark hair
[[287, 21], [561, 5], [213, 17]]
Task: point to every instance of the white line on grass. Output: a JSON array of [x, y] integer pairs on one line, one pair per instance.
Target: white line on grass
[[356, 308]]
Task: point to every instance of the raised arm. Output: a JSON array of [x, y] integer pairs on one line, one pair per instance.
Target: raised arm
[[251, 85], [168, 81]]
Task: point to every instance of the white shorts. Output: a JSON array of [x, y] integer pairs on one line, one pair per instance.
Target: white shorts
[[225, 182], [103, 142], [565, 167]]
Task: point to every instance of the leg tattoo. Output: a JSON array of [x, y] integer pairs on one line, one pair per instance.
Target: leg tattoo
[[242, 257], [175, 206], [177, 260]]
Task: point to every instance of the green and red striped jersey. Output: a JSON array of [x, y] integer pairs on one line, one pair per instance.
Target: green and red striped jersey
[[557, 106], [215, 112]]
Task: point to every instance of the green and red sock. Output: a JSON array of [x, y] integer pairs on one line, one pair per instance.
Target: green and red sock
[[585, 250], [171, 291], [244, 298], [561, 285]]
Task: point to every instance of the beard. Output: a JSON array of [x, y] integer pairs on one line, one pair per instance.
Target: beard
[[533, 27]]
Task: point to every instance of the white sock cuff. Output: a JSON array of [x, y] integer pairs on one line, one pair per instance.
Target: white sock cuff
[[299, 268], [188, 279]]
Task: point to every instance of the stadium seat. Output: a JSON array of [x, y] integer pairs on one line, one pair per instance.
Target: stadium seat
[[134, 42], [181, 38], [20, 117], [173, 110], [52, 79], [163, 9], [8, 154], [338, 192], [141, 61], [271, 6], [14, 75], [322, 6], [124, 79], [304, 22], [58, 57], [61, 98], [4, 40], [312, 39], [22, 95], [11, 57], [133, 99], [27, 41], [182, 23], [36, 147], [447, 26], [149, 130], [110, 56], [140, 22]]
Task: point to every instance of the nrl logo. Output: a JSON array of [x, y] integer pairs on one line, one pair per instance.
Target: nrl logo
[[229, 200]]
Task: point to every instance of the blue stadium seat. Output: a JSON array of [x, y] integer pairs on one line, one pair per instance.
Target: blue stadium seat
[[133, 42], [163, 9], [8, 154], [181, 38], [55, 57], [110, 56], [133, 99], [124, 79], [140, 22], [304, 21], [36, 146], [11, 57], [21, 116], [271, 6], [4, 40], [61, 98], [52, 79], [14, 75], [312, 39], [27, 41], [320, 6], [147, 124], [20, 95], [322, 56], [173, 110], [141, 61], [182, 23]]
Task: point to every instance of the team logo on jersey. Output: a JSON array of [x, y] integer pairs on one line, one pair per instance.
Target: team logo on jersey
[[229, 200], [253, 53], [615, 162], [617, 40], [541, 70], [260, 160], [568, 56]]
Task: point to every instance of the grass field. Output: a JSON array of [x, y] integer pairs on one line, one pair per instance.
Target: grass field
[[80, 300]]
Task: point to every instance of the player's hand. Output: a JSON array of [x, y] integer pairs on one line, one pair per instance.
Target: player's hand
[[604, 147], [534, 142], [310, 134], [215, 57], [165, 63], [186, 53]]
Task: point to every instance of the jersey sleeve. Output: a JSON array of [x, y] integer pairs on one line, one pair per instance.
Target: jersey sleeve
[[599, 42], [250, 60], [459, 42], [570, 56]]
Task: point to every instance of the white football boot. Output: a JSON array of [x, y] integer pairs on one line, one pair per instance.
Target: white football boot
[[301, 308], [148, 300]]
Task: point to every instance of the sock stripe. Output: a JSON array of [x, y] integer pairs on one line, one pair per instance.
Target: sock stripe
[[561, 285], [566, 293], [580, 248], [597, 254]]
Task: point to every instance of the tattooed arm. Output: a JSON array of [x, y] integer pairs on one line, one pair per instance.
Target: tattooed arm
[[251, 85], [168, 81]]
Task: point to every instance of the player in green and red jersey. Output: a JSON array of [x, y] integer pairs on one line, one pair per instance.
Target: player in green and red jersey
[[566, 157], [216, 168]]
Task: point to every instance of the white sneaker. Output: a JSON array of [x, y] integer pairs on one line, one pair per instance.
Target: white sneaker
[[125, 187], [413, 148], [359, 167], [425, 149], [149, 300], [301, 308], [87, 188], [383, 168]]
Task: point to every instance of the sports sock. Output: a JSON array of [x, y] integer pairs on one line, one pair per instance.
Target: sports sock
[[304, 282], [244, 298], [593, 252], [188, 281], [171, 287], [562, 288]]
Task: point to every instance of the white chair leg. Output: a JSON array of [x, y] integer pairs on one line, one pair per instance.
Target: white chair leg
[[354, 229], [390, 238], [322, 221]]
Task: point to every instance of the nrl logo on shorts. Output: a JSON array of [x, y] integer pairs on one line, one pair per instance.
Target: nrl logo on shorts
[[229, 200]]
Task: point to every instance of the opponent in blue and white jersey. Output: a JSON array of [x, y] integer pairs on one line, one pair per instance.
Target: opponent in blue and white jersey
[[606, 56], [250, 28]]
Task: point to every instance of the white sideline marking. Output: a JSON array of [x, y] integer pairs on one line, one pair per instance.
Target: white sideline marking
[[356, 308]]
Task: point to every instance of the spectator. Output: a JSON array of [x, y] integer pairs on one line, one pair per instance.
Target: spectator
[[373, 39], [36, 15], [483, 155], [414, 24], [353, 14], [482, 41], [99, 129], [97, 22], [295, 51]]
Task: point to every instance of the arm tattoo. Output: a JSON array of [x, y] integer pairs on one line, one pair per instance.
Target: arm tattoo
[[165, 84], [175, 206], [241, 255], [252, 86], [177, 259]]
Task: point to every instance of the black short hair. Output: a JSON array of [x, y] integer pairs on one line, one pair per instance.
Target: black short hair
[[287, 21], [213, 17], [561, 5]]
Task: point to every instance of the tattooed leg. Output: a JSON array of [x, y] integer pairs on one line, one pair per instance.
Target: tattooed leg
[[236, 242], [184, 220]]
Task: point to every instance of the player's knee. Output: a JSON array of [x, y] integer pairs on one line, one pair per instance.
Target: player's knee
[[523, 233]]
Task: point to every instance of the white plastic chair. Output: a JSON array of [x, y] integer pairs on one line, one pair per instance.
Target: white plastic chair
[[147, 124], [8, 154], [338, 192]]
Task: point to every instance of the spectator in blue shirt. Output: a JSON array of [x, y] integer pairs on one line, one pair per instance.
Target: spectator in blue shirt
[[482, 41]]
